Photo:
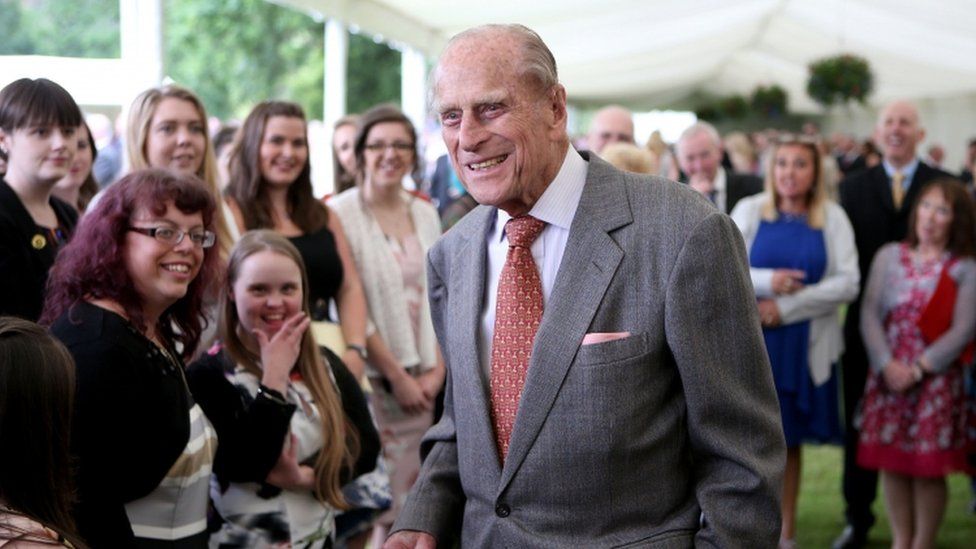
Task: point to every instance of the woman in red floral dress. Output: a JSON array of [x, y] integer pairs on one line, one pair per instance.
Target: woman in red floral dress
[[916, 424]]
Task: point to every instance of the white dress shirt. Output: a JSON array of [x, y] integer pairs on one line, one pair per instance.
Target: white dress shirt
[[557, 207]]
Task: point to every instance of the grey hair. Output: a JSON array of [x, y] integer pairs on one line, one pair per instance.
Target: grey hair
[[537, 61], [701, 127]]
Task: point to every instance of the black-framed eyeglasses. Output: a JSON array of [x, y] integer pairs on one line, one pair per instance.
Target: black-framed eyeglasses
[[171, 236], [398, 146]]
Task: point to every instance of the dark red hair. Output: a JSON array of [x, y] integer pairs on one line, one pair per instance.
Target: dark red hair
[[92, 265]]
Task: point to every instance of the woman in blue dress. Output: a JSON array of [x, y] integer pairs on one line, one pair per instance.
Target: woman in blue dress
[[803, 263]]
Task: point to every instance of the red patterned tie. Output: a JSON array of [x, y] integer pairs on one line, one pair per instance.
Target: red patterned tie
[[517, 316]]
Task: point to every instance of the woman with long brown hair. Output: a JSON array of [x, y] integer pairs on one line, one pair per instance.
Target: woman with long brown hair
[[285, 443], [271, 188], [37, 386]]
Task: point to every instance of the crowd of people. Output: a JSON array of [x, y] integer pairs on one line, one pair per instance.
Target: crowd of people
[[228, 360]]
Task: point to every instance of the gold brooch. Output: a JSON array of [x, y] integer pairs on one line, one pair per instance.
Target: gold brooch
[[38, 242]]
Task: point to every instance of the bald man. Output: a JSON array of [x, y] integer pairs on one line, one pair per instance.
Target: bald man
[[869, 200], [612, 124]]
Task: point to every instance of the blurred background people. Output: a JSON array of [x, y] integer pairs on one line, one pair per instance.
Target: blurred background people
[[107, 165], [222, 142], [630, 157], [390, 231], [37, 386], [78, 187], [343, 154], [168, 129], [803, 264], [918, 322], [38, 139], [877, 200], [126, 298], [699, 152], [286, 445], [271, 188], [611, 124]]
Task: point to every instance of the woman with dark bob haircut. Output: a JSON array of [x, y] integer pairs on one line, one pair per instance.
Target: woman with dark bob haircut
[[126, 299], [37, 384], [38, 125]]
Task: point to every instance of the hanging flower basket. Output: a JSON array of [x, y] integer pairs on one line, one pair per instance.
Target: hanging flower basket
[[840, 79]]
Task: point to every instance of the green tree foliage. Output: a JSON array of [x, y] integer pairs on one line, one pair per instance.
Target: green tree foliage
[[373, 74], [235, 53], [66, 28]]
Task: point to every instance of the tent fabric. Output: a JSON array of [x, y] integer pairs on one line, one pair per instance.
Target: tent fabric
[[649, 53]]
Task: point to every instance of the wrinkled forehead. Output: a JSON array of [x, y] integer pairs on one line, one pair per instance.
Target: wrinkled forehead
[[473, 70]]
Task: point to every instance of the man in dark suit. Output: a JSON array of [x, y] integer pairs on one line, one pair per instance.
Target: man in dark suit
[[607, 385], [877, 201], [699, 152]]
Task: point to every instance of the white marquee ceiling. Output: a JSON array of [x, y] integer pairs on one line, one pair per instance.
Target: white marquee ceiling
[[651, 53]]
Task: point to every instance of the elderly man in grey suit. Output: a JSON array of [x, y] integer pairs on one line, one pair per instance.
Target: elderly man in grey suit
[[607, 386]]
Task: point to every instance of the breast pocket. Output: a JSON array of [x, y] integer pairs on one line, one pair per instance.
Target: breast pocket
[[609, 352]]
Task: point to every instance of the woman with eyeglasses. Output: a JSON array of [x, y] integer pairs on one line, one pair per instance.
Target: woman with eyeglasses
[[38, 126], [126, 297], [390, 231], [271, 188]]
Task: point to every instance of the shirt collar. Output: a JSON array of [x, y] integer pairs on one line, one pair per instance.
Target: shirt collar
[[908, 170], [557, 205]]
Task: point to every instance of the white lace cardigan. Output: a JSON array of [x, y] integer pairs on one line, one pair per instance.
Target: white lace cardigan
[[383, 280]]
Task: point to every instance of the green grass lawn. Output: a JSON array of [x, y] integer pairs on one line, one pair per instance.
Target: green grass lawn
[[821, 507]]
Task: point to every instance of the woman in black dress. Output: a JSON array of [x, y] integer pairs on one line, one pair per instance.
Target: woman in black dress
[[38, 125], [271, 188]]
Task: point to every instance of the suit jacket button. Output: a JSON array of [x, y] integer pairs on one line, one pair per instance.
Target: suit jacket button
[[502, 510]]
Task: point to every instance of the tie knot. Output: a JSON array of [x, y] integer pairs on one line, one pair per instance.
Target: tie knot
[[523, 230], [897, 178]]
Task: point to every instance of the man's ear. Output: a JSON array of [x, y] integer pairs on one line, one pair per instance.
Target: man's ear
[[557, 104]]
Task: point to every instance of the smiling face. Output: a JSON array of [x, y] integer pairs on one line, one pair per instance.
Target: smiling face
[[177, 137], [267, 291], [794, 172], [81, 166], [39, 154], [284, 150], [933, 219], [388, 155], [506, 137], [161, 272], [898, 133]]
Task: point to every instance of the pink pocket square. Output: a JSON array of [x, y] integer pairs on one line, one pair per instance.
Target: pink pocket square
[[603, 337]]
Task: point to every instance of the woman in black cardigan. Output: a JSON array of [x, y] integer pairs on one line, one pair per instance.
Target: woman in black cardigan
[[38, 122]]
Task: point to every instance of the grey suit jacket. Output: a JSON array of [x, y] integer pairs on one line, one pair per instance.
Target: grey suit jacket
[[668, 438]]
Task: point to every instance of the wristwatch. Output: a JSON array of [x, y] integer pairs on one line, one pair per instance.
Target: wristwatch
[[360, 350]]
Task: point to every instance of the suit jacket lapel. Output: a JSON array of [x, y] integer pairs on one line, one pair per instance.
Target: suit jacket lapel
[[882, 184], [467, 287], [588, 265]]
